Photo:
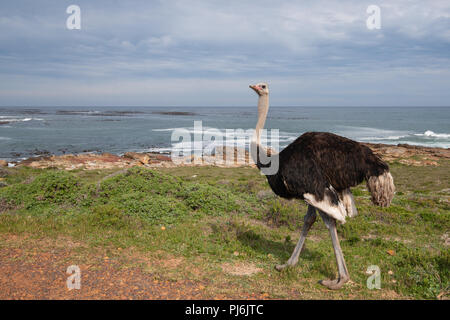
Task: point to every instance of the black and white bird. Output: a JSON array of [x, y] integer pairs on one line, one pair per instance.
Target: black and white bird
[[320, 168]]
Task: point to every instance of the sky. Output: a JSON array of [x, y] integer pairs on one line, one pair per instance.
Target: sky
[[207, 52]]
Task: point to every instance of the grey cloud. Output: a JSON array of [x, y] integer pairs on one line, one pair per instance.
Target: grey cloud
[[155, 42]]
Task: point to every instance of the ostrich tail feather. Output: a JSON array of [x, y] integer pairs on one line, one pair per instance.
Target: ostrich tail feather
[[382, 189]]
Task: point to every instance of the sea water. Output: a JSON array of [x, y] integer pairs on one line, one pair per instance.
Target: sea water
[[26, 131]]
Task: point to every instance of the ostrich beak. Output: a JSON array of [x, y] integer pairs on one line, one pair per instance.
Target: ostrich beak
[[256, 88]]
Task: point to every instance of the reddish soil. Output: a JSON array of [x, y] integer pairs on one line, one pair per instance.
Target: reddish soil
[[33, 272]]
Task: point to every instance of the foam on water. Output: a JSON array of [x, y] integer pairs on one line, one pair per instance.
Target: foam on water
[[430, 133], [9, 119]]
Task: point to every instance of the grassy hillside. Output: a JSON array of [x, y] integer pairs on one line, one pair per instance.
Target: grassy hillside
[[225, 228]]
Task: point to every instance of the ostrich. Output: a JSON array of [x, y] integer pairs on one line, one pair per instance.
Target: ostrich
[[320, 168]]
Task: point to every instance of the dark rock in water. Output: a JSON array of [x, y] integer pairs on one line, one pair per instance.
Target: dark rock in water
[[4, 122], [97, 113], [175, 113], [30, 111], [38, 152]]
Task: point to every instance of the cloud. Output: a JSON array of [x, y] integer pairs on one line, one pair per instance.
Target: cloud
[[123, 45]]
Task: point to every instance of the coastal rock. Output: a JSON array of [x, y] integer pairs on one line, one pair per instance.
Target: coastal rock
[[410, 155], [417, 163], [159, 157], [405, 154], [141, 157], [3, 163]]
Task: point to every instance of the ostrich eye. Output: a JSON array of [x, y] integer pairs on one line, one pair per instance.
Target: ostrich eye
[[263, 87]]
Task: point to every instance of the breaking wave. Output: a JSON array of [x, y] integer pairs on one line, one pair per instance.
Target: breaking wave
[[431, 134]]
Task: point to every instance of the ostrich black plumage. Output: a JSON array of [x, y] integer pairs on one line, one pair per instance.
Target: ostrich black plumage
[[320, 168]]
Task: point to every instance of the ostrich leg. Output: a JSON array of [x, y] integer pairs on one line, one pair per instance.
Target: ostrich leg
[[343, 273], [309, 220]]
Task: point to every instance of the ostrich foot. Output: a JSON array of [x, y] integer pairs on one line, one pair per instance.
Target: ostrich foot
[[334, 284], [280, 267], [289, 263]]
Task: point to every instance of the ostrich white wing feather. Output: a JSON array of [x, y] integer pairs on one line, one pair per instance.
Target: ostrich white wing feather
[[338, 211]]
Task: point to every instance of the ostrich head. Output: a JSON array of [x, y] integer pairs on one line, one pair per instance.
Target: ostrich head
[[262, 89]]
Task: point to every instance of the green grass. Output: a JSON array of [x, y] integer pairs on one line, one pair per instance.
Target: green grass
[[217, 215]]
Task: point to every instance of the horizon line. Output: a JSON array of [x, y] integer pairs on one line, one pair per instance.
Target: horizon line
[[212, 106]]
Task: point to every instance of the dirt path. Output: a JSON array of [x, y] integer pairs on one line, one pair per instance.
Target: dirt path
[[34, 272]]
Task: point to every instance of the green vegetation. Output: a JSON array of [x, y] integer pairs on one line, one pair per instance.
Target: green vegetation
[[213, 216]]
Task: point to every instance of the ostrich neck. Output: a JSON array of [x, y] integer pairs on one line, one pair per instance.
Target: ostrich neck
[[263, 108]]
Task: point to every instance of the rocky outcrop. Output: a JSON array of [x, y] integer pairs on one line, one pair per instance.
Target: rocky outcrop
[[410, 155], [405, 154], [141, 157], [93, 161], [3, 163], [88, 161]]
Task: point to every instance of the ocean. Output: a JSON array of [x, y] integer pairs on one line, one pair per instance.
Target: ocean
[[27, 132]]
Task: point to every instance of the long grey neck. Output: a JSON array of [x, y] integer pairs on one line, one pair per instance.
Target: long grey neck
[[256, 148], [263, 108]]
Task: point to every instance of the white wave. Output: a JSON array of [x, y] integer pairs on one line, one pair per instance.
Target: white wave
[[82, 112], [5, 138], [165, 130], [382, 138], [431, 134], [8, 119], [367, 132], [190, 129], [157, 150]]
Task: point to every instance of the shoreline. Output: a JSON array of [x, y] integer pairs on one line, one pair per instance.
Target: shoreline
[[402, 153]]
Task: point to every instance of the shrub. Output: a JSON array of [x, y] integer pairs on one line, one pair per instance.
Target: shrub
[[55, 187], [208, 199], [50, 187], [155, 209]]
